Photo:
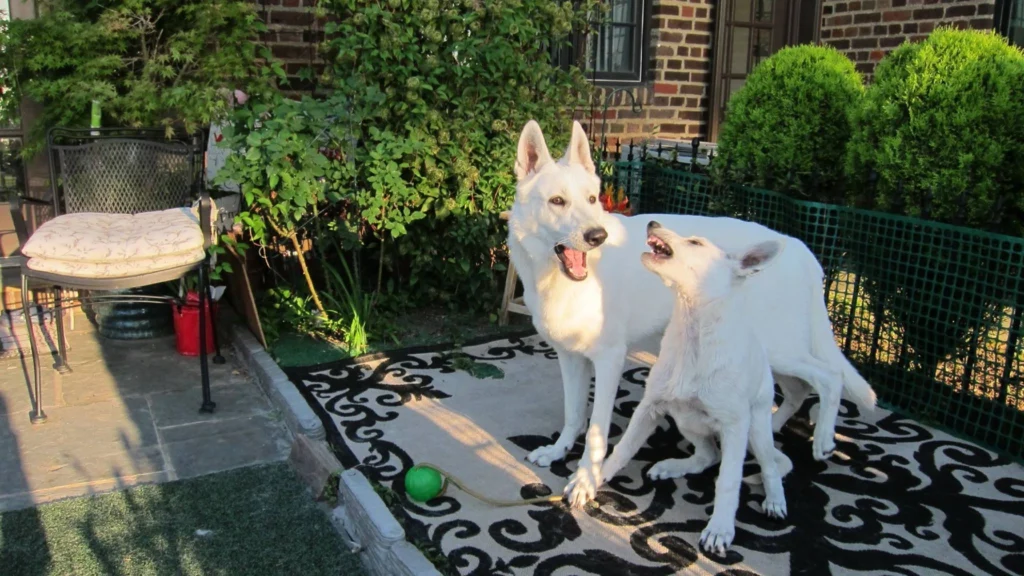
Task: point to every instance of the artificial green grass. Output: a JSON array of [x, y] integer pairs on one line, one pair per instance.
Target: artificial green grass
[[261, 521]]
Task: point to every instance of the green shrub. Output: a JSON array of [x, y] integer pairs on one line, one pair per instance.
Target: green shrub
[[441, 89], [788, 127], [149, 62], [942, 127]]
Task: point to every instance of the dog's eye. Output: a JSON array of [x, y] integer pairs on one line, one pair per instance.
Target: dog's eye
[[694, 242], [592, 199], [558, 201]]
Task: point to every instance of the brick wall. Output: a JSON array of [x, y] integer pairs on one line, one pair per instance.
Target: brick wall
[[675, 102], [867, 30], [293, 34]]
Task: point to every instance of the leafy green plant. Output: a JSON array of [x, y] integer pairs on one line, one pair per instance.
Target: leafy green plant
[[788, 126], [941, 128], [439, 90], [149, 62], [939, 137]]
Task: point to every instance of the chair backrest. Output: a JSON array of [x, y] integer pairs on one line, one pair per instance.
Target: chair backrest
[[121, 171]]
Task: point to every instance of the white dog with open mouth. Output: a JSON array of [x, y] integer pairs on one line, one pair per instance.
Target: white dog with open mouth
[[590, 298], [712, 376]]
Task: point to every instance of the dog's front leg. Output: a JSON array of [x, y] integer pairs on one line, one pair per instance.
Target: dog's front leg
[[575, 384], [583, 485], [721, 529], [641, 426]]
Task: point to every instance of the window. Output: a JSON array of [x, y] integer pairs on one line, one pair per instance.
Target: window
[[749, 31], [616, 50], [1010, 20]]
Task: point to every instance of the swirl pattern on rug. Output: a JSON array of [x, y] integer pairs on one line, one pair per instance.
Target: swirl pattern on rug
[[897, 497]]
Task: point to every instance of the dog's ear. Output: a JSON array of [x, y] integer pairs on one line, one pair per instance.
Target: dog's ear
[[533, 151], [757, 258], [579, 149]]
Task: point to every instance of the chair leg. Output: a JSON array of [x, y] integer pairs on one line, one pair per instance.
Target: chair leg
[[208, 405], [61, 365], [217, 358], [37, 416]]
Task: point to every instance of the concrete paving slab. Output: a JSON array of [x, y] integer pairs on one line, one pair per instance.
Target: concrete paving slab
[[128, 414]]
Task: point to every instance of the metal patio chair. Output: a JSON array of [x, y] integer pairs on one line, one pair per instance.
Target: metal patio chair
[[123, 218]]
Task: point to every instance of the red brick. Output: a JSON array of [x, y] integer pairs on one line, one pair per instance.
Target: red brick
[[702, 25], [880, 30], [842, 7], [290, 18], [664, 52], [840, 44], [677, 102], [696, 64], [826, 34], [690, 89], [665, 89], [673, 128], [661, 114], [673, 64], [700, 77], [986, 9], [867, 5], [910, 28], [960, 10], [691, 114], [877, 55], [855, 6], [897, 15], [927, 13], [290, 52], [925, 27], [981, 23], [680, 24], [890, 42], [682, 51], [698, 39], [657, 23], [701, 13], [827, 9], [663, 101], [670, 37], [665, 10], [867, 18], [686, 12], [862, 43], [672, 76], [841, 20]]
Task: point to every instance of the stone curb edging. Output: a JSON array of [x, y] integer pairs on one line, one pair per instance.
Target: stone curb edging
[[373, 532], [300, 418], [361, 516]]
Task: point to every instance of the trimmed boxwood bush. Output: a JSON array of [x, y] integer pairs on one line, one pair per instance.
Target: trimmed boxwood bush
[[788, 127], [942, 130]]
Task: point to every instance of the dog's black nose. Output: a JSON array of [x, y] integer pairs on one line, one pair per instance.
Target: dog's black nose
[[653, 225], [595, 236]]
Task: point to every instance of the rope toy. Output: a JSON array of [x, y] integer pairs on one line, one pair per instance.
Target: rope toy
[[425, 482]]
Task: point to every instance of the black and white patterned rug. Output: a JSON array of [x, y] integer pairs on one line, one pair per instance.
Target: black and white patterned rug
[[896, 498]]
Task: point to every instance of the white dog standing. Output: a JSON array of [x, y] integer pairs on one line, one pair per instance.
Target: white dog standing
[[712, 376], [591, 298]]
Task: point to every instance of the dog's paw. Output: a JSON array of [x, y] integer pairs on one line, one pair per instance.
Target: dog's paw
[[775, 508], [676, 468], [823, 446], [582, 487], [717, 536], [545, 455]]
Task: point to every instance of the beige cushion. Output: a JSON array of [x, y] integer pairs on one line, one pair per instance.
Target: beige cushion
[[121, 269], [97, 245]]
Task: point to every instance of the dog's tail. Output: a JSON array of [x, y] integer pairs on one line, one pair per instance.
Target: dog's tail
[[824, 347]]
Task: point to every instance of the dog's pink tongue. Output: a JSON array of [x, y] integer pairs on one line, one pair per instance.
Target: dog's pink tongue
[[575, 261]]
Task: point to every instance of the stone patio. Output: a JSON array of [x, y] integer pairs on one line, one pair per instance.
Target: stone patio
[[128, 414]]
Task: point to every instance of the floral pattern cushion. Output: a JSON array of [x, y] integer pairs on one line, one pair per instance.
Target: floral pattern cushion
[[100, 245], [122, 269]]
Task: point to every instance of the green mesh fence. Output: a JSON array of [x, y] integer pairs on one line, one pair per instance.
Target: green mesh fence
[[929, 313]]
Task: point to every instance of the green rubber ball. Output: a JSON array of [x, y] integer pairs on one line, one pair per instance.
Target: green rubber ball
[[423, 483]]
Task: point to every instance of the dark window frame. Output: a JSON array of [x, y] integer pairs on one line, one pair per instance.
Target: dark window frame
[[793, 22], [580, 52], [1008, 13]]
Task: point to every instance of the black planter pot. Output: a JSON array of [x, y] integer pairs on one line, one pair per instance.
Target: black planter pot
[[129, 320]]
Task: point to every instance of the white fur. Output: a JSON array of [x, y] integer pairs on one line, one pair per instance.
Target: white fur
[[592, 322], [712, 376]]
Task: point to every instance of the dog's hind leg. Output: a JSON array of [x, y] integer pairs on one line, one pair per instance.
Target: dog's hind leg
[[705, 453], [794, 393], [829, 386], [639, 429], [575, 384], [583, 485]]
